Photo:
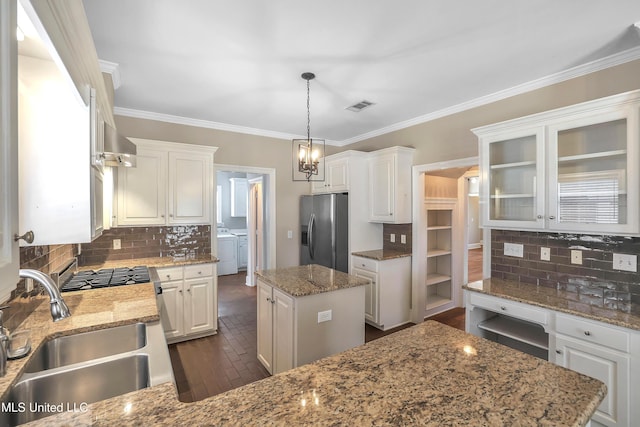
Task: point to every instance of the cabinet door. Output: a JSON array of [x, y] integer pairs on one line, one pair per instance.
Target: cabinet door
[[142, 190], [97, 203], [227, 255], [321, 186], [239, 197], [243, 252], [265, 325], [282, 332], [172, 308], [593, 165], [9, 252], [610, 367], [370, 293], [338, 176], [512, 174], [198, 305], [189, 188], [381, 188]]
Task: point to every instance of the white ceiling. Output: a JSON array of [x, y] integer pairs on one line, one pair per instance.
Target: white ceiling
[[236, 65]]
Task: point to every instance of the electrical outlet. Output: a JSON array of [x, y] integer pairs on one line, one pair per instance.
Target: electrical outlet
[[576, 257], [116, 244], [290, 234], [324, 316], [514, 249], [392, 238], [545, 254], [403, 239], [625, 262]]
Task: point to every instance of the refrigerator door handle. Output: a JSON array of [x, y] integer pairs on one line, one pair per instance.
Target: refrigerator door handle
[[312, 221]]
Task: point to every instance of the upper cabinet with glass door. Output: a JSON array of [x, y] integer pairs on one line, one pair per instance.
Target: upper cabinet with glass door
[[573, 169]]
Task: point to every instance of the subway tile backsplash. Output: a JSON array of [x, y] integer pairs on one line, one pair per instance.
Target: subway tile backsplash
[[398, 230], [594, 282], [184, 241]]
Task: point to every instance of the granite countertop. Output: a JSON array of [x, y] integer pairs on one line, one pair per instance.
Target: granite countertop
[[150, 262], [428, 374], [556, 299], [90, 310], [309, 279], [382, 254]]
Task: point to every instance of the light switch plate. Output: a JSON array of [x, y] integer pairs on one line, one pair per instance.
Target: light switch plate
[[392, 238], [576, 256], [514, 249], [324, 316], [116, 244], [403, 239], [545, 254], [625, 262], [290, 234]]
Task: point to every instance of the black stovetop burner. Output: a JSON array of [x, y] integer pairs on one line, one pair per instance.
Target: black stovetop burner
[[92, 279]]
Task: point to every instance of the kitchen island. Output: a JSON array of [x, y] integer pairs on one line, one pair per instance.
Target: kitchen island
[[429, 374], [306, 313]]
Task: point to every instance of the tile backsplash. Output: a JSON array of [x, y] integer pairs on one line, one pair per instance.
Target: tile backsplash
[[148, 242], [595, 281], [398, 230]]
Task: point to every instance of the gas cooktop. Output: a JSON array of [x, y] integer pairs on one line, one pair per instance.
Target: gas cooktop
[[106, 277]]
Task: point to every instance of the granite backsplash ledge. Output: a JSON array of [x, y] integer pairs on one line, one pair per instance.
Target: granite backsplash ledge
[[594, 282], [183, 241]]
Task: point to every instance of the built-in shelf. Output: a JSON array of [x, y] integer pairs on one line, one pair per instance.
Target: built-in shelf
[[439, 227], [518, 330], [514, 165], [513, 196], [587, 156], [435, 301], [435, 278], [438, 252]]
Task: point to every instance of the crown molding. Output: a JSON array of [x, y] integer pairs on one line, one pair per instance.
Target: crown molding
[[574, 72], [113, 69]]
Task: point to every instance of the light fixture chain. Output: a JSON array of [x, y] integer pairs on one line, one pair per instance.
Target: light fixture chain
[[308, 115]]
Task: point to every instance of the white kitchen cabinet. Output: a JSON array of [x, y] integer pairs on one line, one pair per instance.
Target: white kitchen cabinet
[[239, 196], [336, 175], [170, 185], [573, 169], [9, 251], [188, 308], [600, 351], [388, 294], [243, 251], [275, 329], [97, 203], [390, 185]]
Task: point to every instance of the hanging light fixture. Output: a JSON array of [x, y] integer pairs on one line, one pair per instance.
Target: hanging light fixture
[[307, 153]]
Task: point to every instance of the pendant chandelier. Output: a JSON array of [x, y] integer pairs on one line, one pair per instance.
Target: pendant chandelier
[[307, 153]]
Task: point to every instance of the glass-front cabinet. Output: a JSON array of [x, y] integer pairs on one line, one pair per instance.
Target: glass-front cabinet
[[573, 169]]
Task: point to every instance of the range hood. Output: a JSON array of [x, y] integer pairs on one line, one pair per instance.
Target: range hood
[[118, 150]]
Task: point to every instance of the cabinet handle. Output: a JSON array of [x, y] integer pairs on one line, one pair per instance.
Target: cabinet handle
[[587, 333], [273, 301], [27, 237], [558, 351], [199, 272], [180, 291], [552, 217], [168, 276]]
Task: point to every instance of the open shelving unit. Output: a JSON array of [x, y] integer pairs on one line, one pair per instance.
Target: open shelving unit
[[440, 220], [528, 337]]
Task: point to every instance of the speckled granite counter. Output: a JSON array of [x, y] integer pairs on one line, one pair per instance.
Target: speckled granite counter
[[90, 310], [381, 254], [309, 279], [150, 262], [555, 299], [429, 374]]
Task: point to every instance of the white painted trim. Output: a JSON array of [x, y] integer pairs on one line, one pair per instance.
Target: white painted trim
[[113, 69], [271, 203]]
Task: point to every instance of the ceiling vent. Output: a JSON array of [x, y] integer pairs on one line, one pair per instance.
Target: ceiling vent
[[360, 106]]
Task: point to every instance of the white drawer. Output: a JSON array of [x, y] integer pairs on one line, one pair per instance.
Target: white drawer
[[198, 270], [510, 308], [169, 274], [364, 263], [594, 332]]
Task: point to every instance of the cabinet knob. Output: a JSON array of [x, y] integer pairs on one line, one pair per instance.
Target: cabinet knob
[[189, 290], [268, 299], [170, 215], [199, 272], [587, 333], [552, 217], [161, 215], [559, 351], [180, 291], [539, 217], [27, 237], [168, 276], [503, 308]]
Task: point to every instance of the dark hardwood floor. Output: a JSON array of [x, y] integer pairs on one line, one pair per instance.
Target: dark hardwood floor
[[208, 366]]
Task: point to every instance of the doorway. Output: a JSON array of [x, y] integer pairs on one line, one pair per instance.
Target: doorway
[[444, 183]]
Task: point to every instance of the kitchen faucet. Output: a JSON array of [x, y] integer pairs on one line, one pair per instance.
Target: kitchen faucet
[[59, 309]]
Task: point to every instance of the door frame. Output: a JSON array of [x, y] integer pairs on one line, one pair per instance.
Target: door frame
[[255, 228], [269, 193], [418, 290]]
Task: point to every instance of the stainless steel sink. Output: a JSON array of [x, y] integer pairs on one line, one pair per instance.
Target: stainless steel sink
[[70, 389], [87, 346], [67, 373]]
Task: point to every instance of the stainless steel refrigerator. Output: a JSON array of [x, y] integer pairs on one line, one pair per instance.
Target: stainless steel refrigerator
[[324, 237]]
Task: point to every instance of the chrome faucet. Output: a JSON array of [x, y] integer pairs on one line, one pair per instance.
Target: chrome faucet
[[59, 309]]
